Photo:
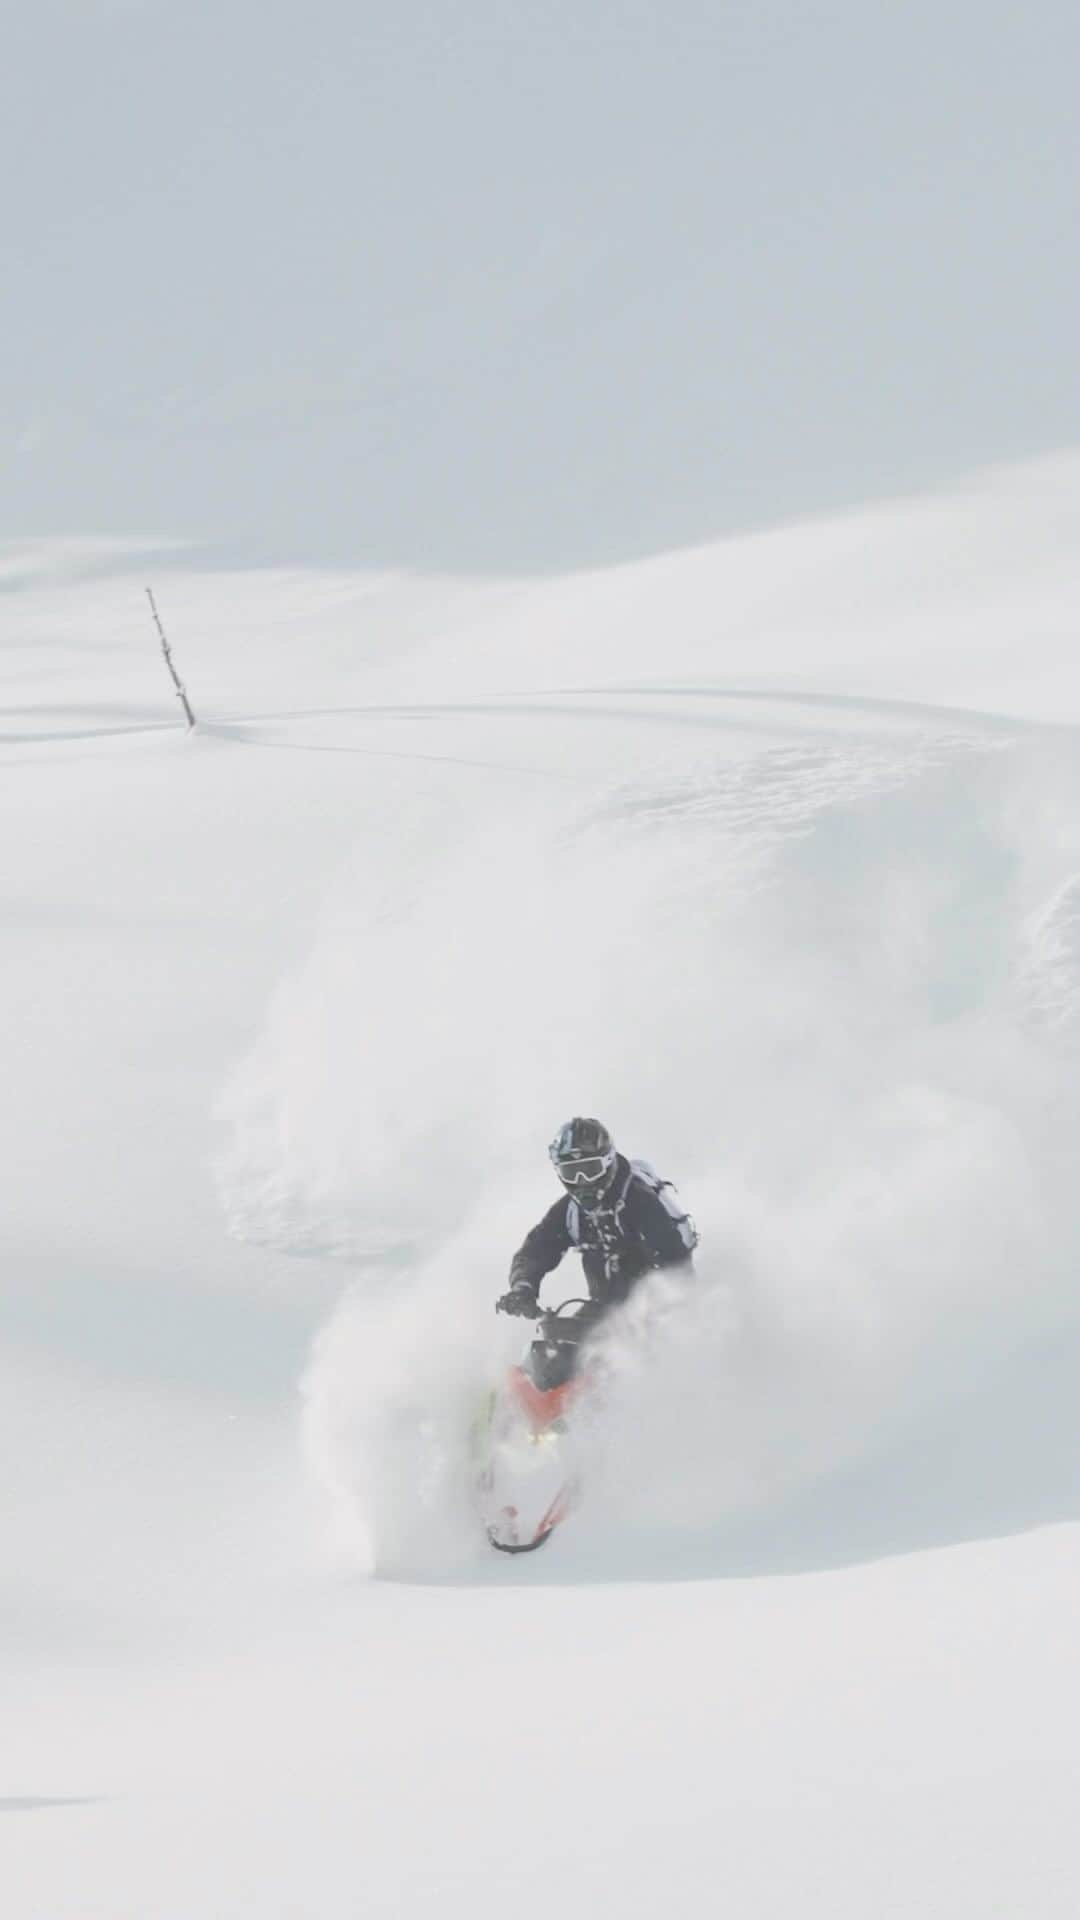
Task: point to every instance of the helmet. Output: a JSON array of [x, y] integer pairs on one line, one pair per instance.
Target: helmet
[[583, 1155]]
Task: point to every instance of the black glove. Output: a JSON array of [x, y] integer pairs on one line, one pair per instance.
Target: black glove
[[519, 1300]]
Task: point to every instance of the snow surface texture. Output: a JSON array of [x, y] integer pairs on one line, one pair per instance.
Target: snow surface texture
[[770, 854]]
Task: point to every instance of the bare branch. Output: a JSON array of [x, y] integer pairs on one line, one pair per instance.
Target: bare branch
[[167, 651]]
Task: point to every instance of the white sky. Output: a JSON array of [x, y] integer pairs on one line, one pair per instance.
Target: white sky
[[477, 284]]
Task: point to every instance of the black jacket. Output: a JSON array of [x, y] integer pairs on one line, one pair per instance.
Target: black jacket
[[639, 1225]]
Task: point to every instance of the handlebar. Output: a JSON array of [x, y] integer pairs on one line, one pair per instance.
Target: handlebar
[[564, 1325], [567, 1329]]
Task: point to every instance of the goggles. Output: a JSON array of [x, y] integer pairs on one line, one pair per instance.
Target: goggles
[[586, 1172]]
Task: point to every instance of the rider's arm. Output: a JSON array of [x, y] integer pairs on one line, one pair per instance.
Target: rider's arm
[[541, 1250]]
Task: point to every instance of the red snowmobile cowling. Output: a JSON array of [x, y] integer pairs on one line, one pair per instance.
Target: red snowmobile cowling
[[527, 1476], [540, 1408]]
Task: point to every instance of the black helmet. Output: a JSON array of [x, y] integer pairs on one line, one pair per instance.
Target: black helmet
[[583, 1155]]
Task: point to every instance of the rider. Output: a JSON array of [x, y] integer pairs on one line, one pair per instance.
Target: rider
[[619, 1214]]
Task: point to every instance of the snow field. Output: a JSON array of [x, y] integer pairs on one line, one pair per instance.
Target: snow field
[[887, 1739], [766, 852]]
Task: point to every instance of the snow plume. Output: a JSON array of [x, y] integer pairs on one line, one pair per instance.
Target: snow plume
[[394, 1384], [800, 984]]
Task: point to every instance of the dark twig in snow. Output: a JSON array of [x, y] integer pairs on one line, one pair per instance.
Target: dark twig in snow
[[167, 651]]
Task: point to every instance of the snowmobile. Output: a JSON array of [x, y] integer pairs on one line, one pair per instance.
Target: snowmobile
[[527, 1475]]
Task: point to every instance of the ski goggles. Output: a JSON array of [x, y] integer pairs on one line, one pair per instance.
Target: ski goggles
[[584, 1173]]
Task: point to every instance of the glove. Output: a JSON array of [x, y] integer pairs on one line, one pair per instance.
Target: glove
[[519, 1300]]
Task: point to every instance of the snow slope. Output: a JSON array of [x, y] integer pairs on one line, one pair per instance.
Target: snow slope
[[770, 853]]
